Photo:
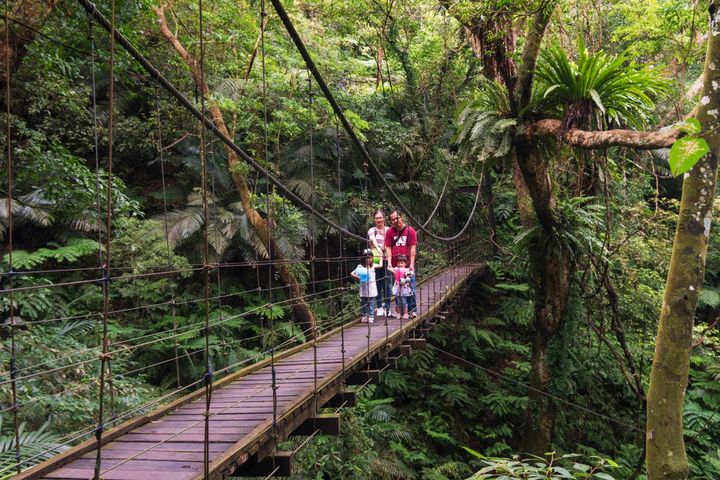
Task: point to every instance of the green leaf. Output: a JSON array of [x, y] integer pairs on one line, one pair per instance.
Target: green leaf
[[685, 153], [604, 476], [691, 126], [596, 98]]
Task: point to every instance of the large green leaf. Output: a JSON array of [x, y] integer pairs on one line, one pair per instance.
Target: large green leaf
[[685, 153]]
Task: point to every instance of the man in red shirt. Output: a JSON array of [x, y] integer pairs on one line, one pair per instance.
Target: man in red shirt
[[401, 239]]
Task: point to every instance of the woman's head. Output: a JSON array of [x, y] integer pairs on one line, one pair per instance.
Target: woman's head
[[379, 218]]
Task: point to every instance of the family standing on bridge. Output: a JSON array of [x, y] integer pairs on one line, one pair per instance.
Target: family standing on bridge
[[388, 268]]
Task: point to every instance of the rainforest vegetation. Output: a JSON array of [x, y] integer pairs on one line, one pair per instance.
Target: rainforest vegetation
[[586, 346]]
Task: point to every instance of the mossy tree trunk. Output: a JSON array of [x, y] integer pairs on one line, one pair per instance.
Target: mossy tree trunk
[[301, 311], [666, 457]]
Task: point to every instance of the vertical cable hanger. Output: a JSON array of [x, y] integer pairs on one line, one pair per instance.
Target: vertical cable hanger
[[366, 197], [216, 216], [312, 242], [173, 303], [10, 273], [268, 206], [341, 273], [96, 147], [208, 376], [105, 356]]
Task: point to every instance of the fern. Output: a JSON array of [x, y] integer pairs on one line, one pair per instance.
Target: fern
[[486, 129], [75, 249], [39, 445], [710, 297]]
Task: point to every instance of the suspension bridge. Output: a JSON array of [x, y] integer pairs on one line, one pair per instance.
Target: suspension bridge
[[255, 409], [232, 421]]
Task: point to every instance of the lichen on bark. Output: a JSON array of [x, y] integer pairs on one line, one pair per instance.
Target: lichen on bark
[[666, 457]]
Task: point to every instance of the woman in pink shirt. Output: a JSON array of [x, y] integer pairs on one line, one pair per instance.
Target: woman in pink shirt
[[376, 241]]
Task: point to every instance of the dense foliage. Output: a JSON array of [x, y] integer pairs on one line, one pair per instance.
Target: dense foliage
[[414, 78]]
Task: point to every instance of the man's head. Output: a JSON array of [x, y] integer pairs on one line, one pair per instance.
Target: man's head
[[396, 220]]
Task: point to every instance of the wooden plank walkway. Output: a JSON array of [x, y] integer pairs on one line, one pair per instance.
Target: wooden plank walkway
[[171, 439]]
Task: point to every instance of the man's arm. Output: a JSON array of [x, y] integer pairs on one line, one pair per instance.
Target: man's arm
[[388, 248], [412, 257]]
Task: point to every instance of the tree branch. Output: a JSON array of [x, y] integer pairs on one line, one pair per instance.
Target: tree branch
[[595, 140]]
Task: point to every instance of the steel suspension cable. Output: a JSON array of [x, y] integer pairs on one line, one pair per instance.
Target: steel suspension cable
[[104, 356], [269, 223], [96, 148], [10, 273], [312, 243], [208, 375], [342, 245]]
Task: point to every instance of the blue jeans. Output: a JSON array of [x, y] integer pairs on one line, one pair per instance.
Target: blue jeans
[[384, 281], [402, 302], [367, 306], [412, 299]]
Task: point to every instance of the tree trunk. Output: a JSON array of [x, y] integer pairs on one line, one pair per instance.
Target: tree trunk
[[666, 457], [30, 15], [303, 315], [379, 62], [551, 266]]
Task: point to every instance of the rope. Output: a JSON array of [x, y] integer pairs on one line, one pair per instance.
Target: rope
[[104, 357], [11, 300]]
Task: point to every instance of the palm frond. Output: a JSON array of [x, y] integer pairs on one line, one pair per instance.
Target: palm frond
[[39, 445]]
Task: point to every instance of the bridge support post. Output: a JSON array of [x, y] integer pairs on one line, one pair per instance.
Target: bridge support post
[[348, 398], [277, 465], [416, 343], [361, 377], [326, 423]]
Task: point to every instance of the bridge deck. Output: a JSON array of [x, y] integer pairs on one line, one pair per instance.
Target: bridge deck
[[171, 439]]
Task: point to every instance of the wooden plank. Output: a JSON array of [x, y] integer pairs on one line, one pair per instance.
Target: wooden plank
[[169, 464], [183, 437], [116, 454], [416, 343], [196, 427], [121, 445], [88, 473]]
